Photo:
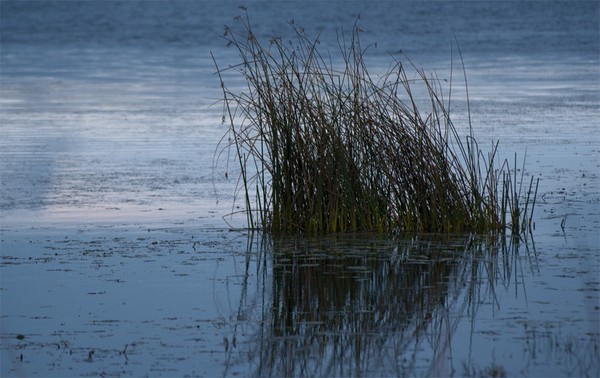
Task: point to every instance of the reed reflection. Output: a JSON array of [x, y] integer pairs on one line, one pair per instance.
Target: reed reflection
[[352, 306]]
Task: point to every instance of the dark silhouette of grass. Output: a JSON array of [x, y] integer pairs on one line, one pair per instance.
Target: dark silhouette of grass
[[326, 148]]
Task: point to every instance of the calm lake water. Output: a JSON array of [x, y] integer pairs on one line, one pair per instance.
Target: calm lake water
[[116, 259]]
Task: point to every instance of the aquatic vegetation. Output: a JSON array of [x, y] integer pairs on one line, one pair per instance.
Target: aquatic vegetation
[[326, 147]]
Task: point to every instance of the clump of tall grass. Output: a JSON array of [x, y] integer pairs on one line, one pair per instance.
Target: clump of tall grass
[[325, 147]]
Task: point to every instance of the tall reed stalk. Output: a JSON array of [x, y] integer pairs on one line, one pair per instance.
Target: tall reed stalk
[[326, 148]]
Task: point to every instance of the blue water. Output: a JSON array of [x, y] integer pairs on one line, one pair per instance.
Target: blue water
[[109, 121], [500, 28]]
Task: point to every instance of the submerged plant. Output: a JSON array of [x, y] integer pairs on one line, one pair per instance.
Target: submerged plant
[[326, 148]]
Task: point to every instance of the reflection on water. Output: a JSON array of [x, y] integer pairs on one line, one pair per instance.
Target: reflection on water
[[352, 310], [351, 306]]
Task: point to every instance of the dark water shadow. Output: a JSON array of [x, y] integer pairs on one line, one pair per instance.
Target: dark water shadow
[[356, 306]]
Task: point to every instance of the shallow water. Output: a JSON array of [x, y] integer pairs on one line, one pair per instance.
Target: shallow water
[[112, 237]]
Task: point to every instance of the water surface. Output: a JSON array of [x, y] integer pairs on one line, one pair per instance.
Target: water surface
[[115, 256]]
